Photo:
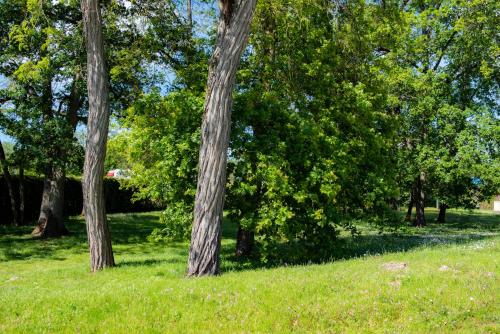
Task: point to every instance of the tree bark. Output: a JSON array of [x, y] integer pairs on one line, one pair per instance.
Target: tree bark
[[410, 207], [244, 242], [189, 12], [442, 213], [232, 34], [22, 197], [420, 201], [10, 186], [99, 238], [51, 219]]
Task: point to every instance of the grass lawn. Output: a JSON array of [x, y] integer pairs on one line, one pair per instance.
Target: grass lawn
[[439, 279]]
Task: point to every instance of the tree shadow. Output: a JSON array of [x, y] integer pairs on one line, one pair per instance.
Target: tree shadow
[[150, 262], [460, 229], [129, 234]]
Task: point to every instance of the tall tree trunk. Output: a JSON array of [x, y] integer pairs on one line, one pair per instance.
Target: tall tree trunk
[[420, 201], [410, 206], [232, 35], [10, 186], [22, 197], [99, 238], [244, 241], [51, 218], [442, 213]]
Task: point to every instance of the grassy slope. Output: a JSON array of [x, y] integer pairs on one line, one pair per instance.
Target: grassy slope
[[45, 286]]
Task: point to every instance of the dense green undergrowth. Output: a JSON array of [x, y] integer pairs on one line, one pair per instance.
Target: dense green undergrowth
[[442, 278]]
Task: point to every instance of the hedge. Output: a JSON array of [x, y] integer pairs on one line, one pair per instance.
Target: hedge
[[117, 200]]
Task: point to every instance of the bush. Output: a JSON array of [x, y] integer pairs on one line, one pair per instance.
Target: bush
[[117, 198], [177, 219]]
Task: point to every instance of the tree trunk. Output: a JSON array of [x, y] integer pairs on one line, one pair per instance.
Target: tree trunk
[[420, 201], [189, 12], [232, 34], [10, 186], [410, 206], [442, 213], [244, 242], [51, 218], [22, 197], [101, 252]]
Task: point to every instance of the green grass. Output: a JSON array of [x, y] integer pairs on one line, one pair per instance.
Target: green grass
[[450, 284]]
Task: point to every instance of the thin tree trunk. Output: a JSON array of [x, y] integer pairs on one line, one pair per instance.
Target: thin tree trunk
[[420, 201], [244, 241], [22, 197], [442, 213], [10, 186], [99, 238], [189, 12], [232, 34], [410, 207]]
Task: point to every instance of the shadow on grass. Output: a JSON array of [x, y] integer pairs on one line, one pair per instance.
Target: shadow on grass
[[461, 228], [150, 262], [130, 232]]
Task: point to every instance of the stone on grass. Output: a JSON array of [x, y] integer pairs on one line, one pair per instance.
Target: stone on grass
[[395, 266]]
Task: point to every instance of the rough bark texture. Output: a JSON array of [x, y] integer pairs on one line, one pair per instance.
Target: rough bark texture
[[420, 201], [442, 213], [10, 186], [232, 35], [101, 252], [51, 218], [244, 242]]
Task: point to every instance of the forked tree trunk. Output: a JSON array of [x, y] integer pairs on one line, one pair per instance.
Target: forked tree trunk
[[10, 186], [442, 213], [232, 34], [244, 241], [99, 238], [420, 201], [51, 219]]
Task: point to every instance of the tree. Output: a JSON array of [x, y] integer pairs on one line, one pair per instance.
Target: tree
[[232, 34], [297, 168], [33, 54], [443, 74], [43, 59], [101, 252]]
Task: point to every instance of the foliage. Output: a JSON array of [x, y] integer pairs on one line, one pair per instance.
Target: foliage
[[311, 136], [445, 54], [176, 220], [42, 56]]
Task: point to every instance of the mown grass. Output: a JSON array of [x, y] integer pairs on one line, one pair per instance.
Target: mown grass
[[440, 279]]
